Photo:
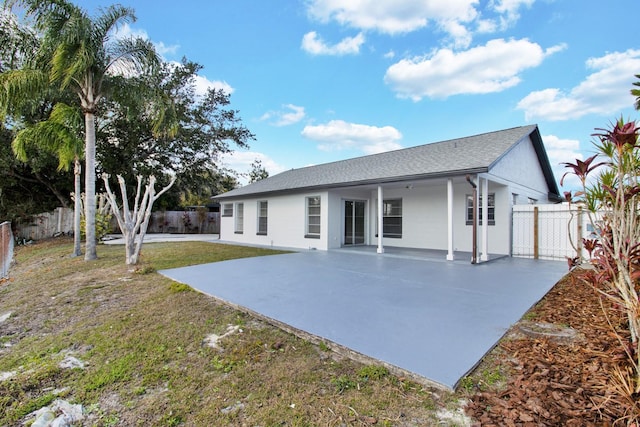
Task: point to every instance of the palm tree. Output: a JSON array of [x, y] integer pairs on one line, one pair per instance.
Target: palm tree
[[59, 135], [79, 53], [636, 92]]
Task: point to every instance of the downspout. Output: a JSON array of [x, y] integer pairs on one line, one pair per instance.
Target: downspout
[[474, 244]]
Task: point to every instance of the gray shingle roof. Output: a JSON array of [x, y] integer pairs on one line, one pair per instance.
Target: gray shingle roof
[[472, 154]]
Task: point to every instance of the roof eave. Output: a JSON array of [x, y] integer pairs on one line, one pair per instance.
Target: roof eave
[[404, 178], [543, 159]]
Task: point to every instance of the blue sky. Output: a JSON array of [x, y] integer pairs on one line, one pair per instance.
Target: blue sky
[[324, 80]]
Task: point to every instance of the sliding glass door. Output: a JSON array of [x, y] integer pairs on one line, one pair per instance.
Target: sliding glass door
[[354, 222]]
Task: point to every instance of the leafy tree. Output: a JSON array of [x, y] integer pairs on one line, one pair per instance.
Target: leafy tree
[[34, 186], [205, 128], [257, 171], [209, 184], [79, 53], [60, 135], [29, 188]]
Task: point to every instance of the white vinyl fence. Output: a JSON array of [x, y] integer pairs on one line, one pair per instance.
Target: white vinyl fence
[[549, 231]]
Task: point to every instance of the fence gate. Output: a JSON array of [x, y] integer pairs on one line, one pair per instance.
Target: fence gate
[[548, 231]]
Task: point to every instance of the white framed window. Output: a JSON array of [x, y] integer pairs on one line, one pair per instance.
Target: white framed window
[[239, 225], [263, 210], [491, 209], [392, 218], [313, 217], [227, 209]]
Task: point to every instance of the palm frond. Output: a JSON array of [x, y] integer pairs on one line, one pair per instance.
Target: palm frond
[[54, 136], [131, 56], [636, 92], [110, 19], [18, 87]]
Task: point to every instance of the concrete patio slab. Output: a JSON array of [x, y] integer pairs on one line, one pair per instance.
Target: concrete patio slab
[[433, 319]]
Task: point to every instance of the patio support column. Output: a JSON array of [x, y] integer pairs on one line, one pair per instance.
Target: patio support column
[[485, 220], [449, 220], [380, 218]]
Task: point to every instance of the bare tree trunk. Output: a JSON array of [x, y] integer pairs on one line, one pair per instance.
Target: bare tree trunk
[[134, 224], [90, 186], [77, 207], [129, 247]]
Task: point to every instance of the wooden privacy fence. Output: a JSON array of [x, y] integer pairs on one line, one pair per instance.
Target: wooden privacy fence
[[198, 221], [549, 231], [45, 225], [60, 221], [6, 249]]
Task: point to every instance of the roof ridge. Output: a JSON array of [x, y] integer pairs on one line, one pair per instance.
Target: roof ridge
[[468, 154], [406, 148]]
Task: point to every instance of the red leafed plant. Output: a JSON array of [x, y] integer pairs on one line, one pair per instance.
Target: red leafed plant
[[612, 200]]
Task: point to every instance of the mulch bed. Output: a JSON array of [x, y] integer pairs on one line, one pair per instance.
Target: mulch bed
[[553, 382]]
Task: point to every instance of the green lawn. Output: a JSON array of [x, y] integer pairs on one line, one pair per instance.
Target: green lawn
[[141, 337]]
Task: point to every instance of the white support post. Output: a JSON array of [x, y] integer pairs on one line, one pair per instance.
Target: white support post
[[380, 249], [449, 220], [485, 220]]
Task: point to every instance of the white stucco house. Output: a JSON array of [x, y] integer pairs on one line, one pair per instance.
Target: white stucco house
[[418, 197]]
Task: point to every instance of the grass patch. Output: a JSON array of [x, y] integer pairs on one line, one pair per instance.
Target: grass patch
[[162, 256], [142, 337], [177, 287], [372, 372]]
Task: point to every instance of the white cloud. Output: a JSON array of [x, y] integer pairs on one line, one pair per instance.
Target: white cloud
[[164, 49], [202, 84], [458, 19], [290, 115], [485, 26], [493, 67], [390, 54], [340, 135], [314, 45], [604, 92], [458, 32], [240, 161], [391, 16], [560, 151], [509, 10], [125, 31]]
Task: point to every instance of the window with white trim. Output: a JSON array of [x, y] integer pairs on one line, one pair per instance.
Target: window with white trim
[[491, 209], [263, 210], [392, 218], [227, 209], [239, 227], [313, 217]]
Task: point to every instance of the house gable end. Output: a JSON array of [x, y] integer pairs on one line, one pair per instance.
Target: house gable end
[[518, 165]]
